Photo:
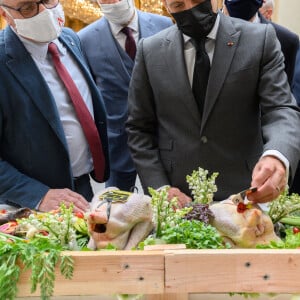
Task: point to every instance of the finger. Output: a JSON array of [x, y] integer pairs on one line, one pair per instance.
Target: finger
[[260, 175], [265, 193], [77, 200]]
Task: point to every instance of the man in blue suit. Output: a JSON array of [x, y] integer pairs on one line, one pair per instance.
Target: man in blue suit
[[45, 156], [105, 46]]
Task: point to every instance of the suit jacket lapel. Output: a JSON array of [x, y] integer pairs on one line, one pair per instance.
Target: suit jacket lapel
[[173, 54], [145, 25], [225, 47], [35, 85]]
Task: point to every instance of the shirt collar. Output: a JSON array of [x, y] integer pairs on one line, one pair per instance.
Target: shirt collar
[[212, 35], [39, 50], [256, 19], [116, 28]]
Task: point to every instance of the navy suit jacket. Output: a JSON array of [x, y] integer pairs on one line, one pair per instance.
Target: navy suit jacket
[[289, 46], [296, 82], [295, 188], [112, 68], [33, 148]]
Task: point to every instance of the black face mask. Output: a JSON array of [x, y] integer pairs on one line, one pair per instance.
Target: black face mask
[[196, 22], [243, 9]]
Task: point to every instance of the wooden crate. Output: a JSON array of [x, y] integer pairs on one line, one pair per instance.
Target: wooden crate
[[174, 274]]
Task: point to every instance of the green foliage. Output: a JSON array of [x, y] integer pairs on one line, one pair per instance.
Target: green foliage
[[283, 206], [62, 227], [173, 228], [165, 212], [291, 241], [246, 295], [194, 234], [202, 186], [40, 255]]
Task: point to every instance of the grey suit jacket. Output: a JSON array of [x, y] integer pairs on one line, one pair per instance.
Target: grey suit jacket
[[248, 109]]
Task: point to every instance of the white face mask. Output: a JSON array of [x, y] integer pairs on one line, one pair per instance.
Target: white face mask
[[118, 13], [44, 27]]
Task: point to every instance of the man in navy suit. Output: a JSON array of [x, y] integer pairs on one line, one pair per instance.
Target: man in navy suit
[[267, 9], [45, 156], [295, 188], [105, 46], [296, 81], [248, 10]]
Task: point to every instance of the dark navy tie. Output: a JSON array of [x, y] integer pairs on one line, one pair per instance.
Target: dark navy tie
[[201, 73]]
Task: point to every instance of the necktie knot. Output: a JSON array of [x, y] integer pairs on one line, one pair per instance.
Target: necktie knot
[[127, 31], [130, 45], [52, 48], [199, 44]]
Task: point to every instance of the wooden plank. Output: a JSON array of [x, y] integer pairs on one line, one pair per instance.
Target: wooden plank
[[235, 270], [167, 297], [108, 272], [165, 247]]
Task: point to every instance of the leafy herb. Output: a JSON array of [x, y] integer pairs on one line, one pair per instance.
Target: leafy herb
[[200, 212], [165, 212], [194, 234], [173, 228], [291, 241]]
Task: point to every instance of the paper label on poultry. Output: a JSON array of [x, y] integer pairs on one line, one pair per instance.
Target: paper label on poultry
[[115, 196]]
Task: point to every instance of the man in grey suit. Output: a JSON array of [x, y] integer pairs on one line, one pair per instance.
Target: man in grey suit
[[104, 43], [248, 131]]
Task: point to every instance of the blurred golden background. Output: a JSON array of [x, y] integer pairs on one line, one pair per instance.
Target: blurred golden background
[[80, 13]]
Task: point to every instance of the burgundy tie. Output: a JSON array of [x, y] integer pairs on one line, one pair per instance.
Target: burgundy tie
[[130, 45], [84, 116]]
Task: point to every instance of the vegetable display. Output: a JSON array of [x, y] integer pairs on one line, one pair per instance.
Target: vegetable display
[[36, 241]]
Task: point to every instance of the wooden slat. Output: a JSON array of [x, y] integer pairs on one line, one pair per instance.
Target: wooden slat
[[108, 272], [238, 270], [167, 297]]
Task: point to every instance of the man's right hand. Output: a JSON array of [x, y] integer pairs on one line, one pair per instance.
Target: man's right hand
[[183, 199], [55, 197]]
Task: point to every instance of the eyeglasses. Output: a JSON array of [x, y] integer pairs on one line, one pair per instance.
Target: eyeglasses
[[31, 9]]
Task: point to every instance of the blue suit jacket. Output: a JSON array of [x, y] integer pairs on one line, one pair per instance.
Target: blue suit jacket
[[34, 155], [111, 68]]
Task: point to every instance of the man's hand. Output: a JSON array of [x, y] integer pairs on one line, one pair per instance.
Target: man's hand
[[269, 176], [183, 199], [55, 197]]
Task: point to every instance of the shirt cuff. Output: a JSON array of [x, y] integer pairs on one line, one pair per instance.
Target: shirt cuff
[[282, 158]]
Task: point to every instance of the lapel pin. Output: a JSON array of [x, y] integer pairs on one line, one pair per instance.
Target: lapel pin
[[230, 44]]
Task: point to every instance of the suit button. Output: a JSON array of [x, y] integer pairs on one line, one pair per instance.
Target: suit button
[[204, 139]]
